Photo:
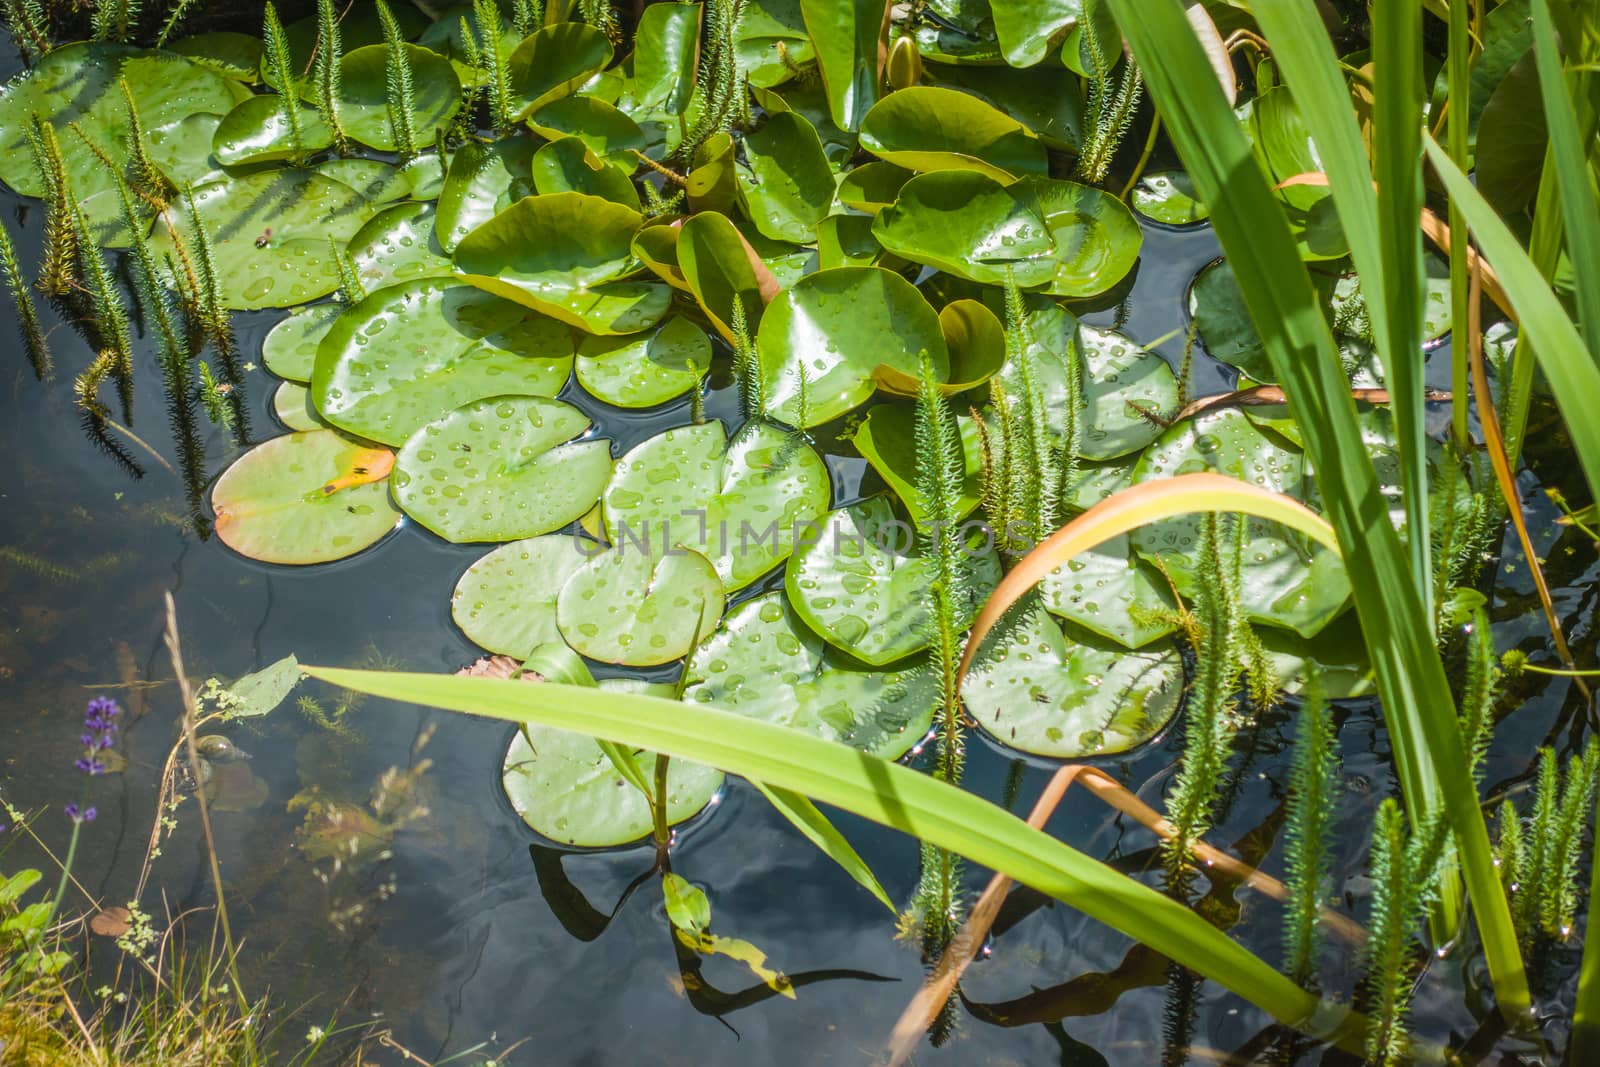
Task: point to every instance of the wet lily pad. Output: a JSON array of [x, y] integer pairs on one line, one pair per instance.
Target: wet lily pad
[[256, 131], [568, 165], [1287, 581], [379, 182], [233, 55], [925, 128], [506, 601], [968, 224], [846, 36], [862, 583], [398, 245], [566, 789], [847, 241], [363, 102], [291, 405], [1037, 689], [604, 130], [306, 497], [1121, 381], [483, 181], [872, 187], [789, 186], [739, 503], [664, 51], [717, 270], [977, 345], [639, 609], [1101, 589], [841, 325], [1096, 238], [501, 469], [887, 438], [554, 62], [290, 347], [763, 662], [645, 369], [1168, 196], [412, 351], [271, 232]]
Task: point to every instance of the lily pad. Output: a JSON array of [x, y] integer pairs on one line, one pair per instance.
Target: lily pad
[[763, 662], [789, 186], [483, 181], [566, 789], [233, 55], [1102, 590], [1096, 237], [925, 128], [977, 344], [1121, 382], [639, 609], [379, 182], [1036, 689], [665, 46], [306, 497], [839, 326], [1283, 145], [568, 165], [398, 245], [645, 369], [407, 353], [846, 34], [501, 469], [506, 601], [271, 232], [256, 131], [872, 187], [604, 130], [862, 583], [291, 405], [364, 99], [742, 504], [847, 241], [712, 257], [1168, 196], [968, 224], [1286, 580], [290, 347], [887, 438], [555, 62]]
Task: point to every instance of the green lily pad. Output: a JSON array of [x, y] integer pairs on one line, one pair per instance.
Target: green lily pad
[[1120, 380], [232, 55], [290, 347], [1026, 30], [1336, 658], [1034, 688], [1287, 581], [1099, 589], [379, 182], [555, 62], [962, 33], [789, 186], [291, 405], [887, 438], [1283, 144], [862, 583], [1096, 237], [501, 469], [665, 46], [359, 26], [763, 662], [1168, 196], [256, 131], [740, 503], [426, 174], [968, 224], [567, 165], [183, 151], [612, 309], [274, 503], [77, 83], [271, 233], [506, 601], [846, 36], [566, 789], [656, 246], [483, 181], [847, 241], [407, 353], [925, 128], [977, 344], [872, 187], [645, 369], [363, 99], [398, 245], [1046, 98], [717, 270], [639, 609], [840, 326], [603, 129]]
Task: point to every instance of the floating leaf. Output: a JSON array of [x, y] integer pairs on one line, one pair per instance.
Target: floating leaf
[[1125, 392], [379, 182], [398, 245], [409, 352], [1036, 689], [483, 181], [925, 128], [741, 503], [1105, 589], [639, 609], [1283, 145], [664, 50], [977, 344], [848, 35], [712, 257], [256, 132], [887, 438], [364, 97], [1047, 99], [271, 232], [1096, 237], [604, 130], [763, 662], [290, 347], [554, 62], [862, 582], [645, 369], [257, 694], [841, 325], [872, 187], [275, 504], [501, 469], [1169, 197], [567, 165], [291, 404], [968, 224], [713, 183], [506, 601], [233, 55], [789, 186], [847, 241]]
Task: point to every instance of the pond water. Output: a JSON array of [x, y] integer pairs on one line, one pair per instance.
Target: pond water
[[476, 930]]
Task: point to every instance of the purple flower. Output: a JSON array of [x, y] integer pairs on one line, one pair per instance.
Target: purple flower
[[100, 732], [85, 815]]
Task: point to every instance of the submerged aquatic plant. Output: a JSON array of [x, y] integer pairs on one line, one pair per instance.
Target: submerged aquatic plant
[[58, 267], [1309, 835], [33, 339], [1405, 879], [1538, 859]]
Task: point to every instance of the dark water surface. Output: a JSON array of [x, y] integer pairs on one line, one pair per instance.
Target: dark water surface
[[475, 930]]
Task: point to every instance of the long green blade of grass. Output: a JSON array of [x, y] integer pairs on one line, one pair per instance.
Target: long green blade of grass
[[884, 792], [1541, 320], [1416, 697]]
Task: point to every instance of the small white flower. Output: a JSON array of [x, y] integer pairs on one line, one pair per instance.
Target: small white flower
[[315, 1034]]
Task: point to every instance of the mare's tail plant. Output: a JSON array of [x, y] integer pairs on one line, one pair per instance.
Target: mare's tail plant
[[351, 291], [280, 67], [147, 179], [526, 16], [33, 341], [1405, 878], [330, 51], [720, 102], [58, 268], [398, 85], [216, 325], [1538, 859], [1110, 109], [492, 58], [747, 366], [30, 28], [106, 326], [175, 17], [1309, 835], [115, 20], [602, 16]]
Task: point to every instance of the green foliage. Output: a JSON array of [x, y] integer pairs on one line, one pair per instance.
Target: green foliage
[[1538, 860], [1405, 878], [58, 268], [1113, 103], [115, 20], [527, 16], [398, 85], [602, 16], [33, 340], [1309, 835], [721, 100], [214, 398], [179, 11], [330, 51], [490, 55], [30, 28], [747, 366], [1478, 690], [351, 291], [216, 324], [107, 325], [151, 185], [280, 70]]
